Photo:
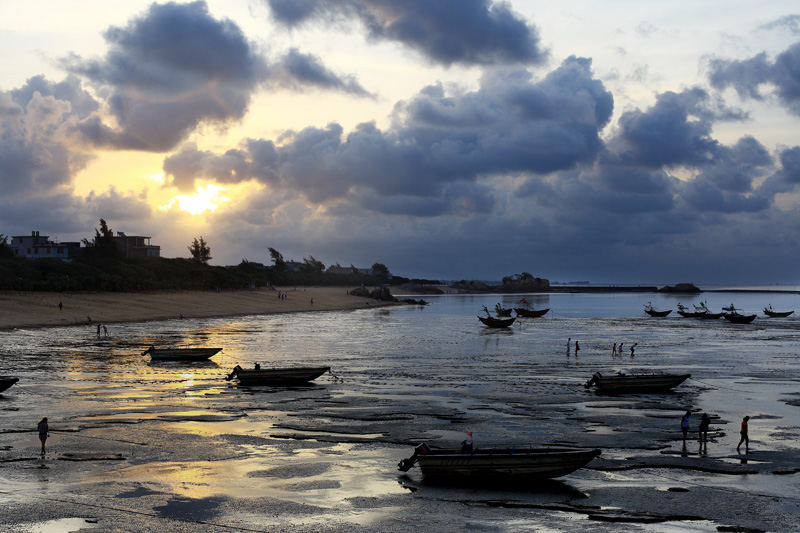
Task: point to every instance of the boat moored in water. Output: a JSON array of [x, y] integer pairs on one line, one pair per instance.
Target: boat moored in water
[[770, 312], [530, 313], [648, 308], [736, 318], [277, 376], [180, 354], [497, 463], [497, 322], [636, 382]]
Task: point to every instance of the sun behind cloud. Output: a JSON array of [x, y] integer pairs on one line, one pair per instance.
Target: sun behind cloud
[[206, 198]]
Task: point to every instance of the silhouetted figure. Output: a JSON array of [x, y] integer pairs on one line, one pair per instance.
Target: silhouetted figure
[[685, 426], [745, 438], [702, 435], [43, 429], [569, 340], [60, 306], [614, 349], [632, 347], [577, 347]]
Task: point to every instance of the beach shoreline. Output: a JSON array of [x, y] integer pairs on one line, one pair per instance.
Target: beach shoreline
[[41, 309]]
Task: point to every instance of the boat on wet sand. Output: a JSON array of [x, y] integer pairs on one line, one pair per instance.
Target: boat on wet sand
[[6, 382], [636, 382], [181, 354], [277, 376], [497, 322], [736, 318], [770, 312], [497, 463]]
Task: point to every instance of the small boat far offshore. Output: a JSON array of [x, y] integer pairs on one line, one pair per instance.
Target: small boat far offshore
[[636, 382], [497, 463], [277, 376], [180, 354]]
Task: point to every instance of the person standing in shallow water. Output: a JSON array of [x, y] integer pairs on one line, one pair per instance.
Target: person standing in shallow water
[[745, 438], [569, 340], [577, 347], [702, 434], [43, 429], [614, 349], [685, 426]]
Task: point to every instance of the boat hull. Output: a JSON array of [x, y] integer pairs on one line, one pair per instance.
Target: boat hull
[[278, 376], [652, 312], [6, 382], [637, 382], [182, 354], [777, 314], [518, 464], [497, 322], [739, 319], [530, 313]]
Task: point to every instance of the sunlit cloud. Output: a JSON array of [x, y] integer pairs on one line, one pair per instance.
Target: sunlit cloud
[[206, 198]]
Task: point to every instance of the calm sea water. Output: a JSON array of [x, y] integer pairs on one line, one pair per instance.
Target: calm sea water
[[407, 374]]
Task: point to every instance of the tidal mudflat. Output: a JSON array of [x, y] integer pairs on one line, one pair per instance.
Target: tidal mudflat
[[144, 446]]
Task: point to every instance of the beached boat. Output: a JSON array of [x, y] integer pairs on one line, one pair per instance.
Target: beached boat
[[684, 311], [181, 354], [530, 313], [6, 382], [494, 463], [277, 376], [497, 322], [636, 382], [736, 318], [770, 312], [653, 312], [709, 316]]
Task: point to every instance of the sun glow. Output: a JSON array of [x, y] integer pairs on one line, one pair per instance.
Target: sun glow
[[206, 198]]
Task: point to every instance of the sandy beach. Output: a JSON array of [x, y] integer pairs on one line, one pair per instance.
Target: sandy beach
[[41, 309]]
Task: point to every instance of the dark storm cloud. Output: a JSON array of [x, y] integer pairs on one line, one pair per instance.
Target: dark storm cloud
[[749, 76], [444, 31], [296, 70], [167, 71], [37, 154], [511, 124], [675, 131]]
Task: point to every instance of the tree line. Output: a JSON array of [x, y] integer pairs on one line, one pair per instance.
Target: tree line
[[102, 267]]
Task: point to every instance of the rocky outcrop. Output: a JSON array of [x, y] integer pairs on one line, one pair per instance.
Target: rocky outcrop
[[680, 287]]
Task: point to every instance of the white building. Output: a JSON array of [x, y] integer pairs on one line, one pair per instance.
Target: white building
[[35, 246]]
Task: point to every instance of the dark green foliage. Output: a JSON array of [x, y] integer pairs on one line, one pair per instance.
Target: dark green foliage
[[201, 253], [93, 272]]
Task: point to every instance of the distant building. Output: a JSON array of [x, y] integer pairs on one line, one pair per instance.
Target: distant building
[[35, 246], [135, 247]]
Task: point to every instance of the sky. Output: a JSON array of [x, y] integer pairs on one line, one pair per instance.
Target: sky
[[611, 142]]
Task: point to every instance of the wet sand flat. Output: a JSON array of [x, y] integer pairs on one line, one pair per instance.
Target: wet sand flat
[[138, 445]]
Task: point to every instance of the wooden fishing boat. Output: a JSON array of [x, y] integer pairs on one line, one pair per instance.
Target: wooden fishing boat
[[530, 313], [636, 382], [180, 354], [653, 312], [500, 311], [770, 312], [684, 312], [277, 376], [6, 382], [497, 463], [709, 316], [497, 322], [736, 318]]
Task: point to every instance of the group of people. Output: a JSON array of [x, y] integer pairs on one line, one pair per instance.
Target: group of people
[[705, 421], [614, 349]]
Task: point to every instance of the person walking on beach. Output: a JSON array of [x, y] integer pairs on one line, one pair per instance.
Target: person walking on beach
[[614, 349], [60, 306], [43, 429], [620, 348], [685, 426], [702, 434], [577, 347], [105, 330], [745, 438], [98, 330], [632, 347], [568, 345]]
